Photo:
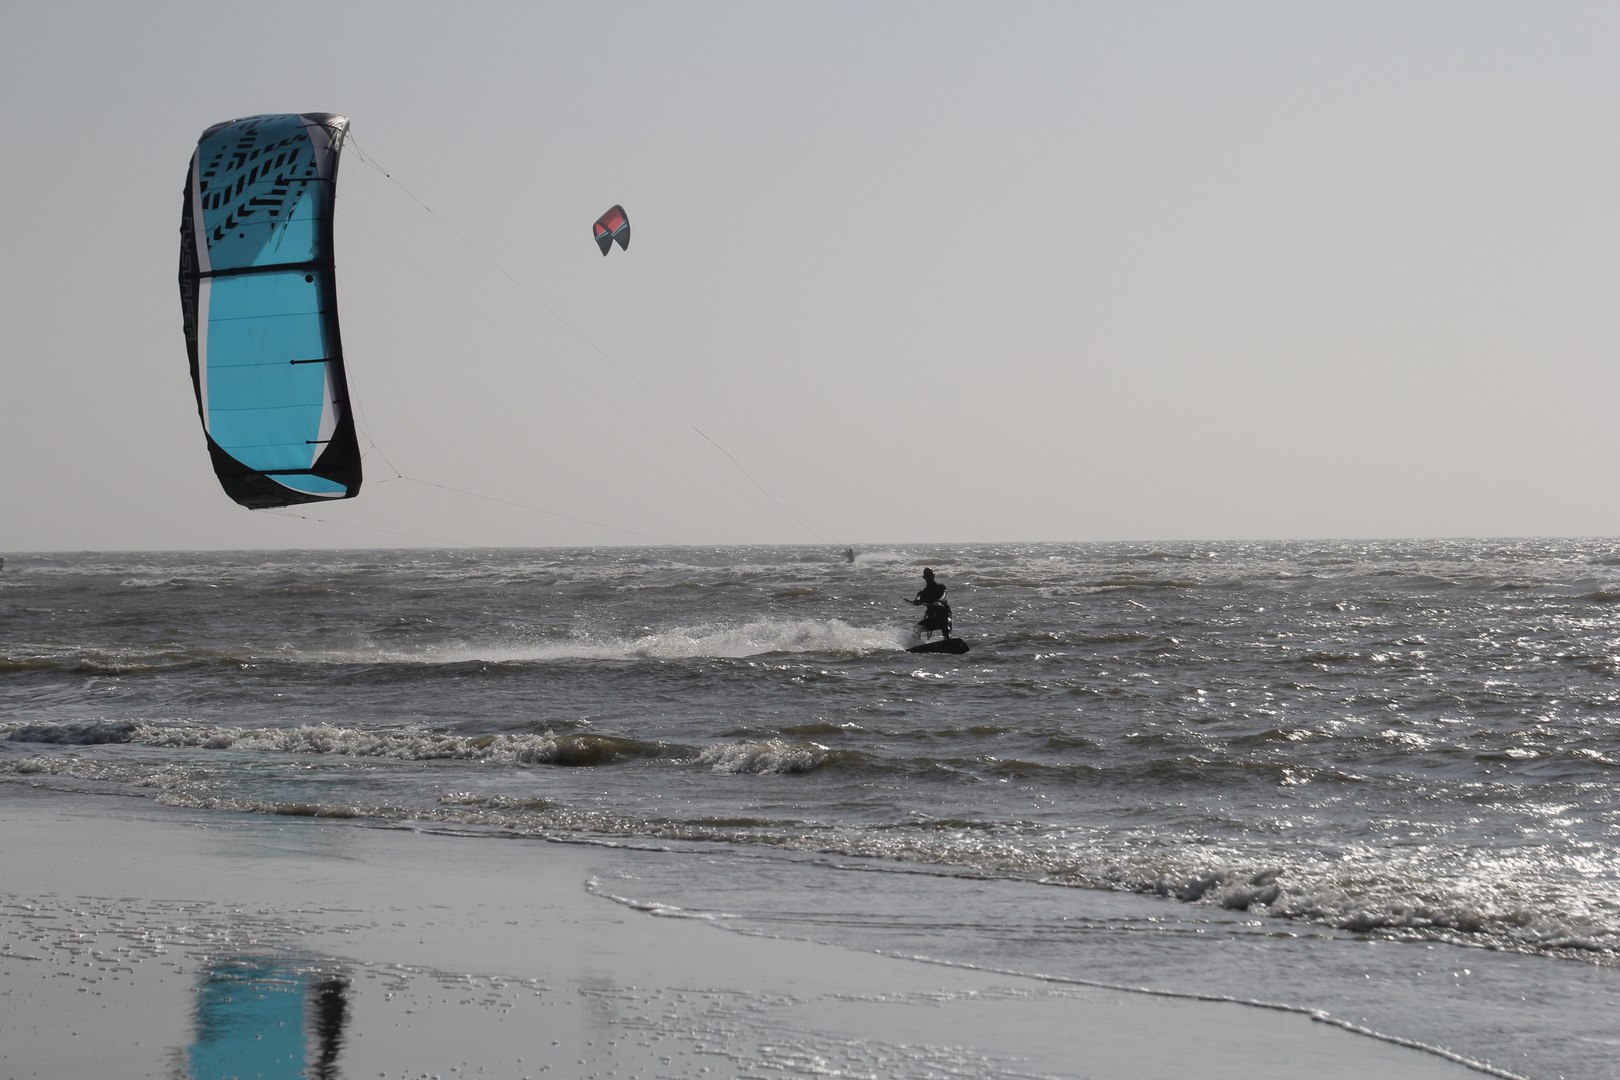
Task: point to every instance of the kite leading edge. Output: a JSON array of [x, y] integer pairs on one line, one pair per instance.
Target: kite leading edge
[[260, 308]]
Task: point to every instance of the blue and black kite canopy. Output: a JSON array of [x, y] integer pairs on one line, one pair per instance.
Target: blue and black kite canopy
[[260, 309]]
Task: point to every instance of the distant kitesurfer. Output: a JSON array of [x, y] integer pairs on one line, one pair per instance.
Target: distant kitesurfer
[[938, 614], [849, 554]]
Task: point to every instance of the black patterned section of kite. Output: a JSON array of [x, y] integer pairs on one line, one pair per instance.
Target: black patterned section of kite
[[611, 226]]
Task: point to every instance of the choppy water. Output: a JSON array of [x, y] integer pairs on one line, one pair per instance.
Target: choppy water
[[1375, 779]]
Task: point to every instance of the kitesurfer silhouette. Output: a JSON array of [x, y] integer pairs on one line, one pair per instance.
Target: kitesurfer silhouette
[[938, 614]]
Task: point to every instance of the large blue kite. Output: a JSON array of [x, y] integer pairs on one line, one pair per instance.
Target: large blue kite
[[260, 309]]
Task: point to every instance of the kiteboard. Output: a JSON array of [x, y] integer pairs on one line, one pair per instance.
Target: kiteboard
[[943, 645]]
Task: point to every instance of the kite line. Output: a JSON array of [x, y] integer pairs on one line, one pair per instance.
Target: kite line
[[470, 306], [784, 509]]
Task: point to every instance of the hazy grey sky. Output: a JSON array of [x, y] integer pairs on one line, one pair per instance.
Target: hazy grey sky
[[936, 271]]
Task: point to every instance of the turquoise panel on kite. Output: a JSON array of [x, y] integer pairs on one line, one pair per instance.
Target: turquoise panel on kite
[[260, 308]]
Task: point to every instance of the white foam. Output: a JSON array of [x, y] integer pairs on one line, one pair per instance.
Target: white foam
[[593, 885], [407, 744], [766, 757], [883, 557], [766, 636], [760, 637], [1363, 892]]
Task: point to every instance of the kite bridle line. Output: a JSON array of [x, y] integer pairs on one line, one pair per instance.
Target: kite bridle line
[[457, 543], [786, 507], [373, 447], [525, 506], [537, 354], [368, 528]]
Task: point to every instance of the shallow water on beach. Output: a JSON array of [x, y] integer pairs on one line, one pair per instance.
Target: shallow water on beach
[[1373, 779]]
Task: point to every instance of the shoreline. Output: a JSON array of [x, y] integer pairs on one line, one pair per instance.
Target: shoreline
[[120, 921]]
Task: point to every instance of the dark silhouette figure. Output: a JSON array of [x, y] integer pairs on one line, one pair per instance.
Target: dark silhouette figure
[[938, 613]]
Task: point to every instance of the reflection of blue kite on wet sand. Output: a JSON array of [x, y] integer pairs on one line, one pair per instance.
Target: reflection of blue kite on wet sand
[[267, 1019], [260, 309]]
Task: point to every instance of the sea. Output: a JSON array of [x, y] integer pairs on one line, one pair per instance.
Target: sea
[[1374, 780]]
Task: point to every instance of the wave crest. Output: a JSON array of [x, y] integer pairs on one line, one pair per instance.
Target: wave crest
[[85, 733], [407, 745], [760, 637], [767, 757]]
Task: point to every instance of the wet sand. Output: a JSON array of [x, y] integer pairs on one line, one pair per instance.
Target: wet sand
[[123, 924]]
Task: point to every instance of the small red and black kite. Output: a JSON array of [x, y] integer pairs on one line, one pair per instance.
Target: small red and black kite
[[611, 226]]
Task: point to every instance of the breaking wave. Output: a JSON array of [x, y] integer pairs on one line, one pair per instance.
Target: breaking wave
[[759, 637], [407, 745], [1479, 905], [769, 756]]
